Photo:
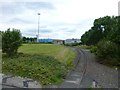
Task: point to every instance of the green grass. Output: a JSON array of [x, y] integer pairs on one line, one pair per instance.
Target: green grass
[[46, 63], [92, 48], [59, 52], [85, 47]]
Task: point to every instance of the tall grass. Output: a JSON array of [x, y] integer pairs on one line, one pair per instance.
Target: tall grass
[[60, 52], [46, 63]]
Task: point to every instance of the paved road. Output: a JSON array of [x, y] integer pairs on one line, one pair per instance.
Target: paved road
[[88, 73]]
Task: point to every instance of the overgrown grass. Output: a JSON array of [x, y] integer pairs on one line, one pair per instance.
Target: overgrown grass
[[61, 53], [45, 69], [92, 48], [85, 47], [45, 63]]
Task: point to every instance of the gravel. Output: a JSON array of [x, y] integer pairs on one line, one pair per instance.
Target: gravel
[[105, 77]]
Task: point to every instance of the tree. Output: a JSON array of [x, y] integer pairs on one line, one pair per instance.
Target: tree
[[29, 39], [24, 39], [103, 28], [11, 40], [105, 34], [0, 40]]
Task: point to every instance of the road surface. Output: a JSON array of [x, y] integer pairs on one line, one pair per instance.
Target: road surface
[[88, 72]]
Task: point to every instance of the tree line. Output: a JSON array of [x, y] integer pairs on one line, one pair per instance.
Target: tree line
[[105, 35], [29, 39], [104, 28]]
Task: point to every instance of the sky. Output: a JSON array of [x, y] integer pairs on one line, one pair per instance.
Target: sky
[[59, 19]]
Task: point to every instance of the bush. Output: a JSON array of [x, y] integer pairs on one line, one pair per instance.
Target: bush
[[108, 52], [11, 40], [107, 49], [93, 49], [85, 46], [72, 44]]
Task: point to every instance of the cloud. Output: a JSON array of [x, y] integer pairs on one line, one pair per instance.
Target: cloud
[[41, 30], [11, 8], [20, 21], [39, 5], [60, 19], [33, 31], [45, 31]]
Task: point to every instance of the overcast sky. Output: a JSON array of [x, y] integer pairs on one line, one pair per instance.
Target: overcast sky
[[59, 19]]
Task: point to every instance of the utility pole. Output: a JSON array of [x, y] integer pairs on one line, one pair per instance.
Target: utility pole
[[38, 27]]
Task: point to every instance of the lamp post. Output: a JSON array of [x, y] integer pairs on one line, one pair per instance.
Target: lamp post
[[38, 27]]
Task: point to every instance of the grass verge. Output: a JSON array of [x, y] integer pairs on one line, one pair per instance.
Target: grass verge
[[48, 64], [61, 53]]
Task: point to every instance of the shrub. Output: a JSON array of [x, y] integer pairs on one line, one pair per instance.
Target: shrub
[[108, 52], [72, 44], [107, 49], [11, 40], [93, 49], [85, 46]]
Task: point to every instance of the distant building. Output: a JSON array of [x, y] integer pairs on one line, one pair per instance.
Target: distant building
[[46, 40], [70, 41], [58, 41], [55, 41]]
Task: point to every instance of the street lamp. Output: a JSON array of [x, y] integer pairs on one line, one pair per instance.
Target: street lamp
[[38, 27]]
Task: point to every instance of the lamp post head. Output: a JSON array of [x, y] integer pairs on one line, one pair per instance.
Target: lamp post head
[[38, 13]]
